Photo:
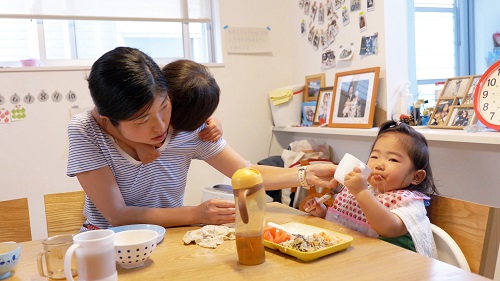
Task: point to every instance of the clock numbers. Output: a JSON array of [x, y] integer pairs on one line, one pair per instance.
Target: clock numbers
[[485, 94], [498, 73], [492, 115], [492, 82], [485, 106]]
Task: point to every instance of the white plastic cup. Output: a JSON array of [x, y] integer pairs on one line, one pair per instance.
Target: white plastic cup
[[95, 256], [347, 164]]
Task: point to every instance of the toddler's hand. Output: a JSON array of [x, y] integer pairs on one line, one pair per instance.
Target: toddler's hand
[[315, 209], [355, 182], [213, 130], [147, 153]]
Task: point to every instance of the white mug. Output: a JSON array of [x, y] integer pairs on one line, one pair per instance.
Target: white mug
[[347, 164], [95, 256]]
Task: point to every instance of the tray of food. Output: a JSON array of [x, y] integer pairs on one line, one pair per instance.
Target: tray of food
[[305, 242]]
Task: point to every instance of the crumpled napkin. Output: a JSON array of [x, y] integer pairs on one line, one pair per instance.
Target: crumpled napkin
[[209, 236]]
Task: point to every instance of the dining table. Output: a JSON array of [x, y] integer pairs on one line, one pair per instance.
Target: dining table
[[365, 259]]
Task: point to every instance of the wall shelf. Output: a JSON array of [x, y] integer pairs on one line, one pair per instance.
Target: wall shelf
[[430, 134]]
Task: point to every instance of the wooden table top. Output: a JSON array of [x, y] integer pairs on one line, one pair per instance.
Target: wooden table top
[[366, 259]]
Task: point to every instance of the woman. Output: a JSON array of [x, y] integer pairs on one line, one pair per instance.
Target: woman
[[130, 93]]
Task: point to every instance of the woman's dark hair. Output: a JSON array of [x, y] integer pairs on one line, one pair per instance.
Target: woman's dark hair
[[193, 91], [124, 82], [417, 149]]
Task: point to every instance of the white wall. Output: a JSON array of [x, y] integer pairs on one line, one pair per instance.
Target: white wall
[[487, 13], [33, 152]]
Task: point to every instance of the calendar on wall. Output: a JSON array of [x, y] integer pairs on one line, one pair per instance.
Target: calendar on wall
[[247, 40]]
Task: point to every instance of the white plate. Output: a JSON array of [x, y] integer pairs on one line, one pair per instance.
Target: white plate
[[159, 229]]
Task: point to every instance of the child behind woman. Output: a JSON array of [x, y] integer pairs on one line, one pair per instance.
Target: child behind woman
[[391, 203]]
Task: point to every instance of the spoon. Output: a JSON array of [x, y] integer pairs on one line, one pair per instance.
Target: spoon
[[280, 227]]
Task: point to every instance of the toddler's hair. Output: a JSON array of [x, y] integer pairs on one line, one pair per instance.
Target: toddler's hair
[[417, 149]]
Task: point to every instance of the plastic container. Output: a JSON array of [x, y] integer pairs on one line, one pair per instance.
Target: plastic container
[[288, 113]]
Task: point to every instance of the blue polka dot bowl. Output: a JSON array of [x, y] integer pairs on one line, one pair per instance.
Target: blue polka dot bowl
[[134, 247], [10, 253]]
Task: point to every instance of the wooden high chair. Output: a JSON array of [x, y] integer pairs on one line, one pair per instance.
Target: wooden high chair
[[64, 212], [15, 218], [474, 227]]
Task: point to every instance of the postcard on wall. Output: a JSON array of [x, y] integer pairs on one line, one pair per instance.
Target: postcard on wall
[[247, 40]]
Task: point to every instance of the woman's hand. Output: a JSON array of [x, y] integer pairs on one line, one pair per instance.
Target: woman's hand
[[213, 130], [216, 211], [355, 182], [322, 175]]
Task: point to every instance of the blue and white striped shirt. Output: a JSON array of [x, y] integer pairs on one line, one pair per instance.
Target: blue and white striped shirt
[[160, 184]]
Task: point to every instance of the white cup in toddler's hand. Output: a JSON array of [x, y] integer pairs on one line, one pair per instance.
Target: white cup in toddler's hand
[[347, 164]]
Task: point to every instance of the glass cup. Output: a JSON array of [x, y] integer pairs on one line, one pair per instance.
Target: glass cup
[[54, 249], [95, 256]]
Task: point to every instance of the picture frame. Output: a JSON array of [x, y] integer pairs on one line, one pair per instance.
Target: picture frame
[[323, 106], [312, 86], [354, 98], [441, 113], [308, 110], [461, 116], [456, 87], [469, 97]]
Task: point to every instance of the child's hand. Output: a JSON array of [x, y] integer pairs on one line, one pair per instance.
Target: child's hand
[[355, 182], [318, 210], [146, 153], [213, 130]]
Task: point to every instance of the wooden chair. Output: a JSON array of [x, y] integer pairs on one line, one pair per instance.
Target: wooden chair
[[15, 221], [474, 227], [64, 212]]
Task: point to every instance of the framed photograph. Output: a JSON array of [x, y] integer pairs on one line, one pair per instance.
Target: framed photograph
[[354, 98], [469, 97], [461, 116], [308, 109], [324, 106], [313, 84], [456, 87], [439, 117]]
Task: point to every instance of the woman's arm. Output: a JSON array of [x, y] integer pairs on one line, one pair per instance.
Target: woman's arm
[[228, 161], [102, 189]]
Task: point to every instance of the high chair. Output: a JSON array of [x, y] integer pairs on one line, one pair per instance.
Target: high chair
[[15, 218], [474, 227], [64, 212]]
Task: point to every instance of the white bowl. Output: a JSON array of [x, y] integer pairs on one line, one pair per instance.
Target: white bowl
[[10, 253], [159, 229], [134, 247]]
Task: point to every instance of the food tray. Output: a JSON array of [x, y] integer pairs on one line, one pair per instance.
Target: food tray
[[304, 229]]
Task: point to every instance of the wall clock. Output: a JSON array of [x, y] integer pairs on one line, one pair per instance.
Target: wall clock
[[487, 97]]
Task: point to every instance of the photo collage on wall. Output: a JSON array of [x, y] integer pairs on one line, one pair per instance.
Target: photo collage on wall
[[323, 22]]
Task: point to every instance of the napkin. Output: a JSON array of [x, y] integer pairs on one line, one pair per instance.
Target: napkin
[[209, 236], [280, 95]]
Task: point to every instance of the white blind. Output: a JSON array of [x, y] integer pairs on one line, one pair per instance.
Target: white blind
[[150, 10]]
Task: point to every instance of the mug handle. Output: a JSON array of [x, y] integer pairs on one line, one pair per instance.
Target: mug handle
[[40, 263], [67, 261]]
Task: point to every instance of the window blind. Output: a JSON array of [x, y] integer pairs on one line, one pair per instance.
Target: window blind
[[129, 10]]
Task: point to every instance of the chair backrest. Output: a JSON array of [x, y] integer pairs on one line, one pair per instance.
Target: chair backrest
[[15, 221], [448, 250], [64, 212], [474, 227]]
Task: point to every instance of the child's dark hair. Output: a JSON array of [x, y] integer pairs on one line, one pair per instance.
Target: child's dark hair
[[124, 82], [193, 91], [417, 149]]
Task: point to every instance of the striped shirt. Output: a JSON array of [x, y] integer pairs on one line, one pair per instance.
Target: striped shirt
[[160, 184]]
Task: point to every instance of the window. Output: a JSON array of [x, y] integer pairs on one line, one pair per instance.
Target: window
[[75, 32], [439, 43]]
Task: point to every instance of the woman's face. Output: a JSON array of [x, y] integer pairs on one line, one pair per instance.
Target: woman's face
[[150, 127]]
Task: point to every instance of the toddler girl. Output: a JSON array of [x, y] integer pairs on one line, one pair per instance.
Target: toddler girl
[[391, 203]]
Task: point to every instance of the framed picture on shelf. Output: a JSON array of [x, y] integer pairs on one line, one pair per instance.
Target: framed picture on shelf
[[323, 106], [313, 84], [456, 87], [439, 117], [461, 116], [354, 97], [308, 109], [469, 97]]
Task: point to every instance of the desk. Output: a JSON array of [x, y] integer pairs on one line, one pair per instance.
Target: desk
[[365, 259]]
